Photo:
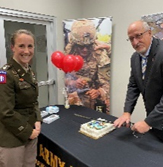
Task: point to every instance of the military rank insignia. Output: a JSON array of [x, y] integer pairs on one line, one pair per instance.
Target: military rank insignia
[[3, 77]]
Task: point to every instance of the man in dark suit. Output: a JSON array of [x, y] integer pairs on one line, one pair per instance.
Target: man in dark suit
[[146, 78]]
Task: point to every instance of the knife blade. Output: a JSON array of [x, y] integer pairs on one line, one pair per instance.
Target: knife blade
[[90, 118], [82, 116]]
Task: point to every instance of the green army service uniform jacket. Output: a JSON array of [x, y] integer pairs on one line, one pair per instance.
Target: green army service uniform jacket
[[18, 104]]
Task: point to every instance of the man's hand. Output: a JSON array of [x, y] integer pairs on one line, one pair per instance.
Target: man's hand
[[124, 119], [141, 127]]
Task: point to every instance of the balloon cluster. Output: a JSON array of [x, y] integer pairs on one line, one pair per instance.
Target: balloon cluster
[[67, 63]]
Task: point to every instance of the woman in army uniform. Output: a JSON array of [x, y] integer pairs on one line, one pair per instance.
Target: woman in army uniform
[[20, 120]]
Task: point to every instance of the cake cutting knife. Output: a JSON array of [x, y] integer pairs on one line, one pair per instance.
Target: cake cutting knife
[[90, 118], [82, 116]]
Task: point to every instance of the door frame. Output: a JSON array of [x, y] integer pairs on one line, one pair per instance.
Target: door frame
[[33, 18]]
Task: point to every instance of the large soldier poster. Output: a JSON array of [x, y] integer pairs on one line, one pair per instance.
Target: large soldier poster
[[91, 39]]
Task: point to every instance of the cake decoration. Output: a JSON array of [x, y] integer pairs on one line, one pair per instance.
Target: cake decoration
[[96, 128]]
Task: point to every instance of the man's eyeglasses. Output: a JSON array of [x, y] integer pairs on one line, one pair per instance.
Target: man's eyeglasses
[[138, 36]]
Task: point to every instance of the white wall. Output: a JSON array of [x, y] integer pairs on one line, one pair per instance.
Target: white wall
[[123, 12]]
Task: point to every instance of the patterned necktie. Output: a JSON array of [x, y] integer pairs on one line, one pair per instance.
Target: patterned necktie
[[144, 65]]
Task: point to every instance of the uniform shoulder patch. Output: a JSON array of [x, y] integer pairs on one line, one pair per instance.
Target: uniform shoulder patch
[[6, 67], [3, 77]]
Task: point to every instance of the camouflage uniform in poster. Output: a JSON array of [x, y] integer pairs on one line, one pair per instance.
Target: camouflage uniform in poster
[[91, 84]]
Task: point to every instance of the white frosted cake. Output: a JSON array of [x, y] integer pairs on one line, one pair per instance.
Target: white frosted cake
[[96, 128]]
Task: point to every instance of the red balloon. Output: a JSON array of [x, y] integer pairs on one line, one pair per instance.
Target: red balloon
[[57, 59], [69, 63], [79, 62]]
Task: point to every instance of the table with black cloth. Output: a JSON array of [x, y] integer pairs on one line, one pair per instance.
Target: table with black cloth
[[61, 145]]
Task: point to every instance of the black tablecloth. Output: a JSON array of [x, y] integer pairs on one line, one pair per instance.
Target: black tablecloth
[[62, 144]]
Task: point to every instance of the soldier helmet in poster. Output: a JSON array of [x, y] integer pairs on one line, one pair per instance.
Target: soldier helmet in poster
[[83, 32]]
